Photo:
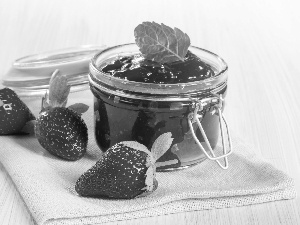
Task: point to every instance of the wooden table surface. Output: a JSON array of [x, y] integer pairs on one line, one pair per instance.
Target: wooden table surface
[[259, 39]]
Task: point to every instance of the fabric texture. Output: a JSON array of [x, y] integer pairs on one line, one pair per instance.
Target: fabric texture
[[46, 182]]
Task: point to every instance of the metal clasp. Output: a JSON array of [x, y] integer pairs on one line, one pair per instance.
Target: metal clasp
[[193, 117]]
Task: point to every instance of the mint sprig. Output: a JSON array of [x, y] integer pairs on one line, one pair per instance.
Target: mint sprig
[[161, 43]]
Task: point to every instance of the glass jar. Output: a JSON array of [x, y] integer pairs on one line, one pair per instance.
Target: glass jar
[[135, 111], [30, 75]]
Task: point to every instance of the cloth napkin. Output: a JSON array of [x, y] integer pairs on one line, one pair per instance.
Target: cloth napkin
[[46, 183]]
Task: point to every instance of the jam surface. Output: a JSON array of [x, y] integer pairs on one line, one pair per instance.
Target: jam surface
[[137, 68]]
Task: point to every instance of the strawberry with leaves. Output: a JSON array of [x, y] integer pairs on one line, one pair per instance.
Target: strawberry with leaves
[[125, 171], [60, 129]]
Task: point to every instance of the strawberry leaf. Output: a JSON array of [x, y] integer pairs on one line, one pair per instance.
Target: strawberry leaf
[[161, 145], [80, 108], [45, 104], [58, 90], [29, 127], [149, 181], [161, 43]]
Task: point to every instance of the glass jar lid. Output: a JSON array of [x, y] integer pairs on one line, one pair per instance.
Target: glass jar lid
[[30, 75]]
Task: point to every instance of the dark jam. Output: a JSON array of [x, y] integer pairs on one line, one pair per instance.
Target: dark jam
[[119, 118], [137, 68]]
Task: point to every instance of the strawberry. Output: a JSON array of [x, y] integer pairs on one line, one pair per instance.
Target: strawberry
[[60, 130], [126, 170], [14, 114]]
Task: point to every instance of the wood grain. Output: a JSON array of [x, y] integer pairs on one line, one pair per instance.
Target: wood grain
[[258, 39]]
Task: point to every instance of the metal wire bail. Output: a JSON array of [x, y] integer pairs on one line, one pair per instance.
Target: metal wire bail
[[195, 117]]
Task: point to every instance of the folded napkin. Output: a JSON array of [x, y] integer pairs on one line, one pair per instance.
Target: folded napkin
[[46, 183]]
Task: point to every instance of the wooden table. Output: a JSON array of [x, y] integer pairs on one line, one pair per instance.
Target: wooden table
[[258, 39]]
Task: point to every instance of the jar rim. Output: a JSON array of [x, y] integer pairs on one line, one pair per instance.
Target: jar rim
[[99, 78]]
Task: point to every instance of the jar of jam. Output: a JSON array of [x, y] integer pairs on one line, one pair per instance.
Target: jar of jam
[[138, 100]]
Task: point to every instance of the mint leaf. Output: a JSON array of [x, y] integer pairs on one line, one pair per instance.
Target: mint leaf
[[161, 43], [80, 108], [58, 90]]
